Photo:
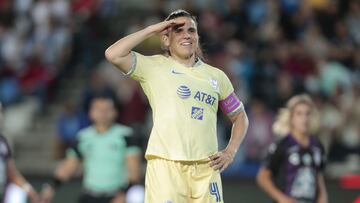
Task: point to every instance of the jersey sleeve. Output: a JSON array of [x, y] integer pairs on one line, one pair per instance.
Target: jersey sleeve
[[132, 143], [229, 103], [323, 157], [74, 151], [141, 67], [274, 157]]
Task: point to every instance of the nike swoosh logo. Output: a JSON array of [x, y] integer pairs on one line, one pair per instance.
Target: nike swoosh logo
[[177, 73]]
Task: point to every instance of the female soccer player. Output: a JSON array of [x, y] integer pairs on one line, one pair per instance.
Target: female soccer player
[[9, 173], [292, 171], [184, 164]]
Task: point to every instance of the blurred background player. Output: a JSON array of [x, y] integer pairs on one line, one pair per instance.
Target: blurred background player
[[292, 171], [9, 173], [106, 150], [184, 92]]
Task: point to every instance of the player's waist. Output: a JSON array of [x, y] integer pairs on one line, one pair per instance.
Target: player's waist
[[184, 162], [109, 193]]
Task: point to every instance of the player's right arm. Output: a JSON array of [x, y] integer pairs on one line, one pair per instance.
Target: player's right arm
[[271, 166], [264, 180], [119, 53], [67, 169], [63, 173]]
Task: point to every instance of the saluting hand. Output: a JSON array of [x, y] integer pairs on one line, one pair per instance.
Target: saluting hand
[[221, 160], [163, 26]]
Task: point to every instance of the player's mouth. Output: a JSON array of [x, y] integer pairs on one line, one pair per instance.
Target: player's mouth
[[186, 44]]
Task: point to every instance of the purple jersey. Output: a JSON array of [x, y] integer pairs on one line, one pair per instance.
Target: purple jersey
[[5, 154], [295, 168]]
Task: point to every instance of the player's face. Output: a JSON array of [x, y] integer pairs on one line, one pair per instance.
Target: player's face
[[183, 39], [301, 117], [102, 111]]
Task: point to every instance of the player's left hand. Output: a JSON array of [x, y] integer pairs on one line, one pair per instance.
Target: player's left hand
[[221, 160]]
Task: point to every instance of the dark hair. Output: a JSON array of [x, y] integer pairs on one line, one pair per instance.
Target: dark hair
[[182, 13], [104, 96]]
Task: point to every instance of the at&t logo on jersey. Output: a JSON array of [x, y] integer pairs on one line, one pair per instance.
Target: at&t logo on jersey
[[183, 92], [197, 113], [204, 97]]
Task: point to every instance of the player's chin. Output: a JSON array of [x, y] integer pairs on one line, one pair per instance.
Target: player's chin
[[187, 53], [304, 129]]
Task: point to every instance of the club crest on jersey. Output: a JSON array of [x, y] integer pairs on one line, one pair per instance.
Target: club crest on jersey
[[214, 84], [197, 113], [183, 92], [307, 159], [294, 159]]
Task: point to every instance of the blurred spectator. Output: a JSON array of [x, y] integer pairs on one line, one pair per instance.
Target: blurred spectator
[[35, 79], [259, 135], [315, 43], [353, 20], [333, 75], [235, 19], [9, 91]]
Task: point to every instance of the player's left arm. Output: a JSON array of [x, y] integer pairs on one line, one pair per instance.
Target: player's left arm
[[322, 197], [224, 158], [240, 123], [231, 106], [133, 159], [321, 187], [16, 178], [133, 165]]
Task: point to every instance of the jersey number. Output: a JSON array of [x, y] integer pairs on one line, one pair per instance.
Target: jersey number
[[214, 190]]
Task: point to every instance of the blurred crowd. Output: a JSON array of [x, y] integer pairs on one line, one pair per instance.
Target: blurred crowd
[[270, 49]]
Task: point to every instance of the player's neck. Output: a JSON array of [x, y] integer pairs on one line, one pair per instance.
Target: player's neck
[[302, 138], [186, 61], [101, 128]]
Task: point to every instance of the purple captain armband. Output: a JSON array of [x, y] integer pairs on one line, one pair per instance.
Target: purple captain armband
[[230, 103]]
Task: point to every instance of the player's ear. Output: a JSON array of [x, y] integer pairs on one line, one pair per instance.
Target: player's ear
[[165, 39]]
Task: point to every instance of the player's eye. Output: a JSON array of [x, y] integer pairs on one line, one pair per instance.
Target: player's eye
[[192, 30], [178, 30]]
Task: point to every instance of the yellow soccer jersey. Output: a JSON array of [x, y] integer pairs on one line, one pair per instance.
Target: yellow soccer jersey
[[184, 101]]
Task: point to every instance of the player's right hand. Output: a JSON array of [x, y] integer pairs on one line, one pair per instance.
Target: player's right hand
[[47, 194], [163, 26]]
